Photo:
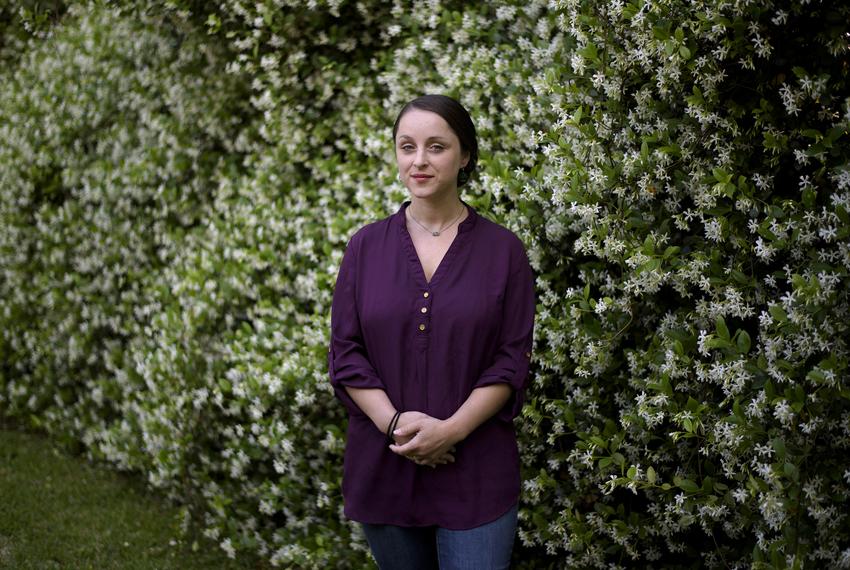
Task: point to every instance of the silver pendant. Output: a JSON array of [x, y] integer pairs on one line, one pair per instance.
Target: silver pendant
[[435, 233]]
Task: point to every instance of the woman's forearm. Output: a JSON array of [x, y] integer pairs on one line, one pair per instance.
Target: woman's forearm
[[375, 403], [481, 404], [433, 437]]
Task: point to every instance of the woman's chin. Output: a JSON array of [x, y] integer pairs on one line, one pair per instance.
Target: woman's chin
[[430, 193]]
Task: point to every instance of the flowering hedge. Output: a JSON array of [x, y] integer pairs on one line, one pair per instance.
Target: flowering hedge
[[179, 180]]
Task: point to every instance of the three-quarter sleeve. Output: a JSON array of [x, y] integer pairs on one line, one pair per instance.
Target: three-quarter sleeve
[[512, 357], [348, 362]]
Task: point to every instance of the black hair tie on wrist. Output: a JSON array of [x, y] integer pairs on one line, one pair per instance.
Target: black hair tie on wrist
[[391, 427]]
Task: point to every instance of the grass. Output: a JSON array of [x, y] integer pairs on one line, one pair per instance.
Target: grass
[[59, 511]]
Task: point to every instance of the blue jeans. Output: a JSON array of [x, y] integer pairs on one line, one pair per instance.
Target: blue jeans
[[485, 547]]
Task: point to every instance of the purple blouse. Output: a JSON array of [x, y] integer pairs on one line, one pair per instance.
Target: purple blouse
[[428, 345]]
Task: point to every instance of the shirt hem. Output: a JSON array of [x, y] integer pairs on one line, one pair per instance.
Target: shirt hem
[[356, 517]]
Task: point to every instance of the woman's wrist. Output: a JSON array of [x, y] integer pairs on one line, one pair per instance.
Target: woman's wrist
[[457, 429], [483, 402], [383, 422], [389, 431], [375, 403]]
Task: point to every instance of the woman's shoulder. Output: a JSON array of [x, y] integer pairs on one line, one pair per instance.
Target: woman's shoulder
[[495, 240], [497, 234], [370, 231]]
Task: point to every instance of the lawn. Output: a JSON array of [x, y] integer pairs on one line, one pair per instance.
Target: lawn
[[59, 511]]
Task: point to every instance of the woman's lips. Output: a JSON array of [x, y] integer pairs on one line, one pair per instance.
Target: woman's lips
[[421, 176]]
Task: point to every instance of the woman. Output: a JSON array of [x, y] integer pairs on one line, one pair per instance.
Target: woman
[[431, 337]]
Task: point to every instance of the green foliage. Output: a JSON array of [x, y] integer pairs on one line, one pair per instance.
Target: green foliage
[[697, 169], [179, 181], [21, 19]]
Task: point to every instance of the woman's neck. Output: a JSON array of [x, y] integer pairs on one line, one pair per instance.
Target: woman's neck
[[436, 215]]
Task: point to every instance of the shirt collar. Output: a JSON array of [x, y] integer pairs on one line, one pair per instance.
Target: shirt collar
[[467, 224]]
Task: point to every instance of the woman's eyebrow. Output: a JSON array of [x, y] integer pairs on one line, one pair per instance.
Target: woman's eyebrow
[[431, 138]]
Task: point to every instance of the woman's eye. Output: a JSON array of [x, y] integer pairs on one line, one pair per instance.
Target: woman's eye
[[407, 147], [436, 147]]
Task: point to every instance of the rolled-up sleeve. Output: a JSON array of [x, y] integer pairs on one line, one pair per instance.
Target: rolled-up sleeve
[[348, 362], [513, 353]]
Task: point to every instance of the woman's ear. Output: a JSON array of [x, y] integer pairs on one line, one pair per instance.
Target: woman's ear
[[465, 160]]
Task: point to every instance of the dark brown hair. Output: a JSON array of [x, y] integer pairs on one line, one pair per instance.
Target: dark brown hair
[[458, 119]]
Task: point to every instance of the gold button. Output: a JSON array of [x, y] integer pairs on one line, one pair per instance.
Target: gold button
[[424, 309], [422, 327], [425, 294]]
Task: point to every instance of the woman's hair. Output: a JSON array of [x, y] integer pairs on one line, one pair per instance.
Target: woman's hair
[[458, 119]]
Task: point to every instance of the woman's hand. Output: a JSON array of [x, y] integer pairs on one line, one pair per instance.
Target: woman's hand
[[424, 439], [405, 419]]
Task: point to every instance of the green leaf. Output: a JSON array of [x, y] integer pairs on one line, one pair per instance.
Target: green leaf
[[650, 474], [779, 446], [692, 405], [743, 342], [718, 343], [740, 277], [737, 410], [721, 175], [539, 520], [778, 313], [722, 329], [598, 441], [791, 472], [769, 391], [816, 376], [812, 134], [671, 251], [570, 417]]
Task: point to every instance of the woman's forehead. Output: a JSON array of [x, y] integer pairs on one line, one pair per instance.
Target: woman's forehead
[[418, 123]]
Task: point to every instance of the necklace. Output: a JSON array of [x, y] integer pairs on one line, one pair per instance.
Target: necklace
[[441, 230]]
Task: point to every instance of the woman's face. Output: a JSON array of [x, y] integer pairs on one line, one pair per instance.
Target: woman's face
[[428, 154]]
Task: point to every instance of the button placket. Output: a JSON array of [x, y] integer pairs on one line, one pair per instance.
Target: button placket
[[424, 311]]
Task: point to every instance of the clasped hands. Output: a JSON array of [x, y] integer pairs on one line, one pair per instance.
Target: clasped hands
[[423, 439]]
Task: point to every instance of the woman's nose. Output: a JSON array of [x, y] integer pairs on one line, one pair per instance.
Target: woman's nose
[[420, 159]]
